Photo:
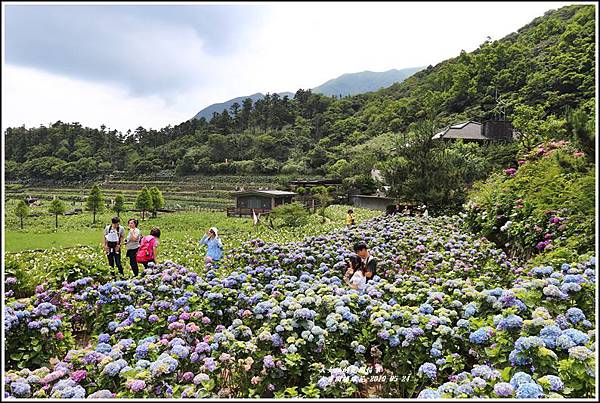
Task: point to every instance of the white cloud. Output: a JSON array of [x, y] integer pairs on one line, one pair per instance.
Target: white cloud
[[34, 98]]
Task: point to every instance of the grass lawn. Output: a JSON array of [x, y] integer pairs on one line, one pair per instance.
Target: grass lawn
[[40, 233]]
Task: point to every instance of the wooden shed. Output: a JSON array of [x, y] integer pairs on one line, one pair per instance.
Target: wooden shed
[[261, 201]]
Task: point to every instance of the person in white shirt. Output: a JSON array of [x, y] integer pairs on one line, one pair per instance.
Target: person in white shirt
[[358, 281], [132, 243], [355, 275]]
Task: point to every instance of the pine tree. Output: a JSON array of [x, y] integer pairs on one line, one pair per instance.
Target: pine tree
[[144, 201], [95, 201], [119, 205], [56, 207], [22, 211], [157, 200]]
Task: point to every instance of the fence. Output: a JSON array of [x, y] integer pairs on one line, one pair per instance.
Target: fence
[[239, 212]]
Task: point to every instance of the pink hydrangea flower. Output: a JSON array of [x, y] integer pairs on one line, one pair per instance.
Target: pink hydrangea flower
[[79, 375]]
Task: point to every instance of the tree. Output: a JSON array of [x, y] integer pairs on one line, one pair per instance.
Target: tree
[[56, 207], [157, 200], [95, 201], [144, 201], [22, 211], [119, 205], [424, 170], [324, 199], [582, 128]]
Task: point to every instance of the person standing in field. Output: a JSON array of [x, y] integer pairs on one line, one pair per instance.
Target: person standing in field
[[148, 249], [112, 240], [350, 221], [215, 246], [132, 243]]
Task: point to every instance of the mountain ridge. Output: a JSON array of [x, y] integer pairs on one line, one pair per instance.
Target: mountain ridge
[[347, 84]]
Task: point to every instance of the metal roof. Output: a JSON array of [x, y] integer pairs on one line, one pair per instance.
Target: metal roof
[[373, 197], [264, 192], [466, 130]]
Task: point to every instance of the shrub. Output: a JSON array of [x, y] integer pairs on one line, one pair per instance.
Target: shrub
[[290, 215], [545, 204]]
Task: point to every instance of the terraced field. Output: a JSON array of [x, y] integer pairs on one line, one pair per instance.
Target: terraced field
[[212, 192]]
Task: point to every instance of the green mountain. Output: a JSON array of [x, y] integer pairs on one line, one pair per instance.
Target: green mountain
[[365, 81], [532, 76], [207, 113], [344, 85]]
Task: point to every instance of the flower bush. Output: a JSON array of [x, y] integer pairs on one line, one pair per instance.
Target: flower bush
[[447, 315], [544, 208]]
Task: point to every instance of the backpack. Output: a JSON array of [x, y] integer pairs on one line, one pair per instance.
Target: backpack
[[146, 251]]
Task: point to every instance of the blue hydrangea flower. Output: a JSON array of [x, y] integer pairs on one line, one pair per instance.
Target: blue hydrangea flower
[[428, 369], [529, 390], [481, 335], [575, 315], [510, 322], [528, 343], [520, 378], [518, 358], [103, 348], [323, 382], [180, 351], [103, 338], [20, 389], [426, 309], [564, 342], [429, 394], [554, 382], [577, 336], [111, 369]]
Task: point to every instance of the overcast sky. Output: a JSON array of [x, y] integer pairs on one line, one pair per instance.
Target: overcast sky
[[159, 64]]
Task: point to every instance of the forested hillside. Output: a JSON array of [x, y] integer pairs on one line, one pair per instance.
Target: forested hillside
[[538, 75]]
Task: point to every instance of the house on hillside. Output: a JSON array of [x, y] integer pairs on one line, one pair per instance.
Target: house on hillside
[[261, 201], [491, 130], [372, 202], [315, 182]]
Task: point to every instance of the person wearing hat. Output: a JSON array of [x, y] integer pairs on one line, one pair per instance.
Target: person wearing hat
[[215, 246]]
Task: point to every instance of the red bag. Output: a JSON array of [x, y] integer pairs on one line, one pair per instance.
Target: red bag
[[146, 251]]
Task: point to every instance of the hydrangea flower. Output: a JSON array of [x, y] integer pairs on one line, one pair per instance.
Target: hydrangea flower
[[428, 369], [503, 389], [429, 394], [481, 335], [553, 382], [529, 390], [520, 378]]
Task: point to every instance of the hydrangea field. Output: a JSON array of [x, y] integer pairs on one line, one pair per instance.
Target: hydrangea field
[[448, 315]]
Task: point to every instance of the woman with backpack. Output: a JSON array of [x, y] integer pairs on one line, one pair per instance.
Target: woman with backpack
[[132, 243], [148, 248], [215, 246]]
